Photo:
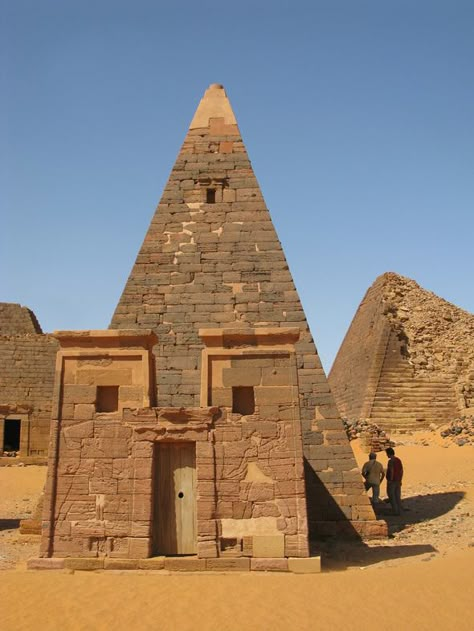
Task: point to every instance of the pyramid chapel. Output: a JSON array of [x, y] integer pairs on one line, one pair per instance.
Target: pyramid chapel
[[201, 422]]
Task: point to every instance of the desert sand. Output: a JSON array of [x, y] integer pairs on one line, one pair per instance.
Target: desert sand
[[420, 577]]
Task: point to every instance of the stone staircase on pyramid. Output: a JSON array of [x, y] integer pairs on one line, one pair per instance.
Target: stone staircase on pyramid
[[405, 401]]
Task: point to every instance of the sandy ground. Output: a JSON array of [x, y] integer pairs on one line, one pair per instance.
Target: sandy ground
[[420, 577]]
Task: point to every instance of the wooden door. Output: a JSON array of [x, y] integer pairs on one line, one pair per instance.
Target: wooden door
[[174, 527]]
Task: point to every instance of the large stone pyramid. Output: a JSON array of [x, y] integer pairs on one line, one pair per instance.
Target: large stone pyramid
[[407, 360], [211, 271]]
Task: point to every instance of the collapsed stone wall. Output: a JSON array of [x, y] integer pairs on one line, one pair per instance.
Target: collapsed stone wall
[[439, 335], [407, 360], [27, 364]]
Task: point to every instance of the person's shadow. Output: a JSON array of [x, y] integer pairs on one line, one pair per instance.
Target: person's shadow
[[417, 509], [346, 548]]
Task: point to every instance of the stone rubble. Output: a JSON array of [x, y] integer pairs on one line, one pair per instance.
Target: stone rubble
[[460, 431], [373, 438], [407, 360]]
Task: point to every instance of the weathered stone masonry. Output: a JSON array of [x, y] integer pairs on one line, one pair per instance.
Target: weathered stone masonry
[[201, 423], [27, 359], [211, 258], [407, 360], [108, 463]]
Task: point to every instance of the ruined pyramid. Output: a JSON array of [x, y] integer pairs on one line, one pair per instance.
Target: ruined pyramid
[[407, 360], [211, 274]]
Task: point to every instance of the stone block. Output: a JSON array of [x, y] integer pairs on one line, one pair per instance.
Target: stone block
[[185, 564], [121, 564], [363, 512], [224, 509], [325, 424], [310, 565], [245, 376], [131, 393], [228, 564], [142, 469], [84, 411], [241, 510], [269, 565], [79, 394], [247, 546], [206, 549], [103, 485], [270, 395], [273, 376], [221, 397], [206, 528], [296, 546], [31, 527], [45, 564], [152, 563], [139, 547], [269, 546], [80, 563], [260, 492], [206, 509], [105, 377], [79, 430]]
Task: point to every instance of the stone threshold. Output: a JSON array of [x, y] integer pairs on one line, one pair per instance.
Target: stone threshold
[[23, 461], [295, 565]]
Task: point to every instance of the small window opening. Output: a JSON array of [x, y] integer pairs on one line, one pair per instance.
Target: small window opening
[[211, 196], [243, 400], [11, 435], [107, 399]]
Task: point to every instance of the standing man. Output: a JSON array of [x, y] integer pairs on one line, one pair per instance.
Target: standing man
[[394, 480], [373, 473]]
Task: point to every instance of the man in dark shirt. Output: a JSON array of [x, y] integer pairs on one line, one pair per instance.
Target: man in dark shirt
[[394, 480]]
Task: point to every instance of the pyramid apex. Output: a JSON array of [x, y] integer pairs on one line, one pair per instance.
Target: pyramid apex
[[214, 104]]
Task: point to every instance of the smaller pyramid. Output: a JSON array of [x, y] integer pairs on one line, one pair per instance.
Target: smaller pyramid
[[407, 360], [27, 360]]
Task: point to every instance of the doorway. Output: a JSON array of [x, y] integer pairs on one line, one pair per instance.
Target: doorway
[[11, 435], [174, 513]]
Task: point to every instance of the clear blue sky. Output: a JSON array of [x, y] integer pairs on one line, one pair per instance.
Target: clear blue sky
[[358, 116]]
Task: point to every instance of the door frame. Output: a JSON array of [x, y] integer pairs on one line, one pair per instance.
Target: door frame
[[173, 547]]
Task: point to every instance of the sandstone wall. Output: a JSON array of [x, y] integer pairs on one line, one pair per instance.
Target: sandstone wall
[[17, 320], [106, 468], [211, 258], [27, 362], [357, 366]]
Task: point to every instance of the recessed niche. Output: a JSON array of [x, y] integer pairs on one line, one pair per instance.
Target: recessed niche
[[243, 400], [107, 399], [211, 196]]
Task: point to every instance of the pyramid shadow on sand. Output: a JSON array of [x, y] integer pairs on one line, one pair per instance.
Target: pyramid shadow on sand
[[357, 554], [340, 555], [418, 508]]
